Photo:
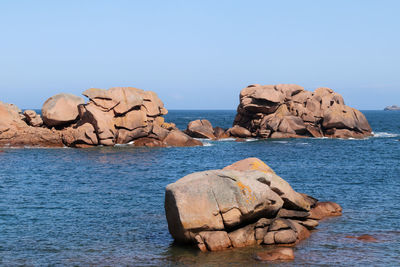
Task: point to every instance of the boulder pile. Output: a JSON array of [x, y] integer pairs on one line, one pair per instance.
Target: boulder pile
[[17, 129], [243, 204], [119, 115], [287, 110]]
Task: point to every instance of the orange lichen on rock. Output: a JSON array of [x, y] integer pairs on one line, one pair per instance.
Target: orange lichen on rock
[[243, 188], [250, 164]]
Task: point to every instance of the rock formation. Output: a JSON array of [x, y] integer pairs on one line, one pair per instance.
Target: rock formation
[[393, 107], [15, 131], [204, 129], [287, 110], [243, 204], [119, 115]]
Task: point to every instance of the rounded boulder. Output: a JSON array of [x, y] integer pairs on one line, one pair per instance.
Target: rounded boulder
[[61, 109]]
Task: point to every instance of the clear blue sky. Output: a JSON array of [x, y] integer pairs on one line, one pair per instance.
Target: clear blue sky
[[199, 54]]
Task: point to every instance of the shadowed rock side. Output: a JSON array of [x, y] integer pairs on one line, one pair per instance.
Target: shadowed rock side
[[119, 115], [287, 110], [243, 204]]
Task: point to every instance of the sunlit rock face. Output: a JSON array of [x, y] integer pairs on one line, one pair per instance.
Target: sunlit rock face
[[243, 204]]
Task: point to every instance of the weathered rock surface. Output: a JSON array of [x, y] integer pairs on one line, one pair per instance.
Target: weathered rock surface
[[325, 209], [204, 129], [61, 109], [15, 132], [178, 138], [32, 118], [123, 115], [200, 129], [240, 132], [220, 133], [244, 204], [288, 111]]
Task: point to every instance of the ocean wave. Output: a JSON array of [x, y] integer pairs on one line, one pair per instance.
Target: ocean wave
[[385, 135]]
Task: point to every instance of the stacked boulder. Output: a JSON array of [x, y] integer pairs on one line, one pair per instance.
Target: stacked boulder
[[119, 115], [287, 110], [243, 204]]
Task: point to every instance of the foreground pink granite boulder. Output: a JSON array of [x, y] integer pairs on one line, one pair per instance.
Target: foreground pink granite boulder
[[244, 204]]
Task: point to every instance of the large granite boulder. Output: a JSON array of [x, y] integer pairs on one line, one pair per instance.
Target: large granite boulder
[[287, 110], [179, 138], [204, 129], [244, 204], [217, 200], [61, 109], [200, 129]]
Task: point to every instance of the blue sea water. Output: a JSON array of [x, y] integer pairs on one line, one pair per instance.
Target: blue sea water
[[105, 206]]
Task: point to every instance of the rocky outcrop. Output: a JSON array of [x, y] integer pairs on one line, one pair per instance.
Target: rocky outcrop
[[122, 115], [15, 132], [393, 107], [289, 111], [244, 204], [119, 115]]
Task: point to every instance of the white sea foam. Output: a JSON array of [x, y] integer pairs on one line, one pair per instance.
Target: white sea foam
[[280, 142], [226, 139], [207, 144], [384, 135], [250, 139]]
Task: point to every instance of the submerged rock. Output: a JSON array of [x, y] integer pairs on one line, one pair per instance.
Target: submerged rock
[[364, 237], [277, 254], [288, 111], [244, 204]]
